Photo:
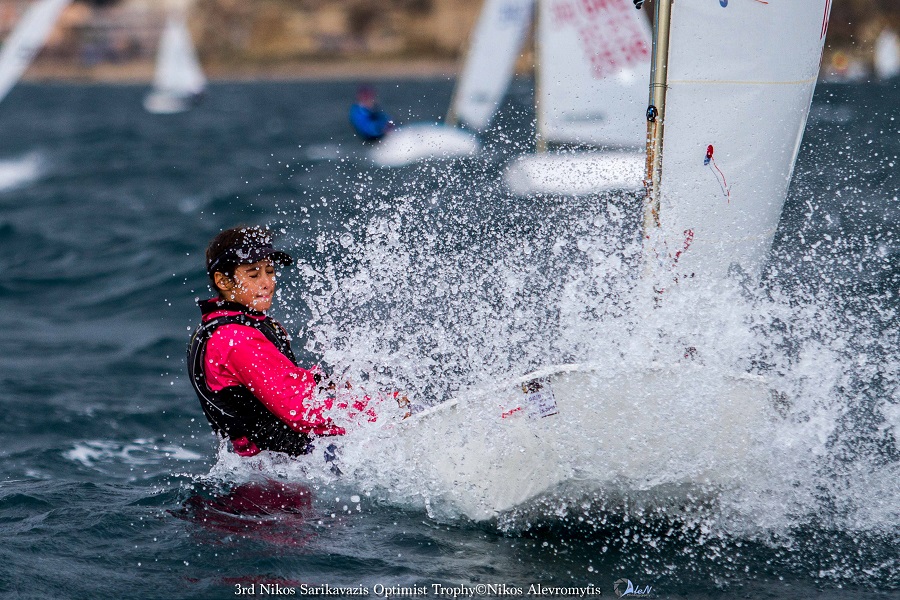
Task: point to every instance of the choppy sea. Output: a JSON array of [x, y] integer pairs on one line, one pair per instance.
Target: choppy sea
[[431, 278]]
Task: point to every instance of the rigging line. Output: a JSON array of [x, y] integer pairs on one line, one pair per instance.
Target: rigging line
[[723, 183]]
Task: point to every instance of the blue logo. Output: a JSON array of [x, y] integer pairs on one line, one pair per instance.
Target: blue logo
[[623, 587], [723, 3]]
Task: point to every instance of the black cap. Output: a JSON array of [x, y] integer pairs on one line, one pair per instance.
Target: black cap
[[247, 255]]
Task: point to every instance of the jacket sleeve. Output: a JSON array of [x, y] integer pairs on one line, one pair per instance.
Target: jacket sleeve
[[284, 388]]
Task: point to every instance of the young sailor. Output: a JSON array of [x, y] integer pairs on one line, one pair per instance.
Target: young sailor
[[368, 120], [240, 361]]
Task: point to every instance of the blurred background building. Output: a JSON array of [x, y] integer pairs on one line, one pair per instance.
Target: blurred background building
[[117, 39]]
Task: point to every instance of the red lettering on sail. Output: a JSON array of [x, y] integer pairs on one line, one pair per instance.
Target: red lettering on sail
[[609, 36]]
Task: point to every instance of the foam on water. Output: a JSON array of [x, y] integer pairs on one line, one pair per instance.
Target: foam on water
[[101, 454]]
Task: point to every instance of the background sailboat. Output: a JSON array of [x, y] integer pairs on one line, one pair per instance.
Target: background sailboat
[[179, 79], [496, 42], [19, 49], [26, 40], [887, 54], [590, 79]]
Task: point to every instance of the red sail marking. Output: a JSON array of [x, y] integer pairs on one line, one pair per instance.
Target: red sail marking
[[609, 37]]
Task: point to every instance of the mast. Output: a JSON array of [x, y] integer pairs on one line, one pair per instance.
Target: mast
[[452, 119], [656, 111], [540, 142]]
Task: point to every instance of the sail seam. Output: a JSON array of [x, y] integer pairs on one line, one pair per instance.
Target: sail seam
[[732, 82], [747, 238]]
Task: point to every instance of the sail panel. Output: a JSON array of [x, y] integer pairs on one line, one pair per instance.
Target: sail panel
[[178, 71], [887, 54], [741, 75], [26, 41], [594, 61], [496, 43]]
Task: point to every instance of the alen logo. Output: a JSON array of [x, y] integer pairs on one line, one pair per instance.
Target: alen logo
[[623, 587]]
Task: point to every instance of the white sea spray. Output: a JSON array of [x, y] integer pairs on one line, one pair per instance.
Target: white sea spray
[[433, 297]]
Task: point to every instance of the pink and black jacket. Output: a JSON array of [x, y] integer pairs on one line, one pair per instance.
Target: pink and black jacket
[[249, 384]]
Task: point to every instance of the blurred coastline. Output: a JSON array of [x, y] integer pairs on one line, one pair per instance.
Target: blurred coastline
[[116, 40]]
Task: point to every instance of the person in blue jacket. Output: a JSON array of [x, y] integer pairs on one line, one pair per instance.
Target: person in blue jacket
[[369, 121]]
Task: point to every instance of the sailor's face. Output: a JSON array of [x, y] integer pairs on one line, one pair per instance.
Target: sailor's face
[[254, 285]]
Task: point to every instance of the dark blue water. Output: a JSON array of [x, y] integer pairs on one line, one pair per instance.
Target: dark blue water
[[110, 486]]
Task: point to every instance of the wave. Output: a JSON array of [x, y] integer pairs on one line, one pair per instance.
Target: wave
[[101, 454]]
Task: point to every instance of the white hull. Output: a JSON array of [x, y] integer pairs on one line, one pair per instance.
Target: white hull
[[676, 428], [414, 143], [575, 174], [162, 103]]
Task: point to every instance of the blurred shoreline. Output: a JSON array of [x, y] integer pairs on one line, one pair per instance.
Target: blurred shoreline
[[310, 70], [116, 41]]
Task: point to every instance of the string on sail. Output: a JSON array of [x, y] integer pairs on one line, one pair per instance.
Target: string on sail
[[720, 177]]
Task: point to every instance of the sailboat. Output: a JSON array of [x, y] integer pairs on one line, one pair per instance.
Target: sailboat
[[179, 81], [18, 51], [593, 59], [887, 54], [496, 42], [725, 121], [26, 40]]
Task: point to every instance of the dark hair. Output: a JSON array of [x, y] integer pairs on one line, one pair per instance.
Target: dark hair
[[241, 236]]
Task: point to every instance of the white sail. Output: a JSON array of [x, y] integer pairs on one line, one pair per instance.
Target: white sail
[[177, 68], [179, 77], [740, 80], [593, 60], [887, 54], [495, 45], [26, 40]]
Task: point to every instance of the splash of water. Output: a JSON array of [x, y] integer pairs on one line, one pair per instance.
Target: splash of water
[[437, 288], [437, 292]]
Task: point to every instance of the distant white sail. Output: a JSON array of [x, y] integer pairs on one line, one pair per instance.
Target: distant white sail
[[178, 70], [593, 61], [740, 80], [496, 43], [179, 77], [887, 54], [26, 40]]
